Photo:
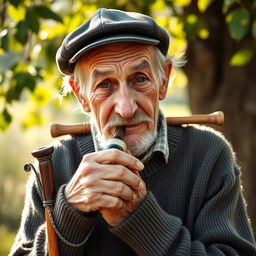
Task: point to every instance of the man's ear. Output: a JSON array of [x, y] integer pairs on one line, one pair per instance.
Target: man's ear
[[164, 85], [76, 90]]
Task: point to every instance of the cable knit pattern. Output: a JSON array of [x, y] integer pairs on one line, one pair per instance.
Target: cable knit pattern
[[194, 204]]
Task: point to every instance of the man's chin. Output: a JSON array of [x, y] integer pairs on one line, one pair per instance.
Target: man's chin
[[132, 140], [139, 145]]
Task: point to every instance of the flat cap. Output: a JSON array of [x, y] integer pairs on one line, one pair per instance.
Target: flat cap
[[109, 26]]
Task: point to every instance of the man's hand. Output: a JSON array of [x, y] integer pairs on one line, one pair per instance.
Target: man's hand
[[115, 216], [107, 181]]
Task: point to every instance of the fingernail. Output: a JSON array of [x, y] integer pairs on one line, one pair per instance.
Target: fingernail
[[141, 185], [134, 197], [140, 165]]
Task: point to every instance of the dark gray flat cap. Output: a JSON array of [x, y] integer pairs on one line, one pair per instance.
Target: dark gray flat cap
[[109, 26]]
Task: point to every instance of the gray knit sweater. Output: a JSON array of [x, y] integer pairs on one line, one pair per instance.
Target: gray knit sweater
[[194, 204]]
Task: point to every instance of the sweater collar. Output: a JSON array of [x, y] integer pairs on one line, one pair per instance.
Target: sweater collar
[[157, 162]]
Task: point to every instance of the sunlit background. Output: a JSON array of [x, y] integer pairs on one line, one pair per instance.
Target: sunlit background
[[30, 33]]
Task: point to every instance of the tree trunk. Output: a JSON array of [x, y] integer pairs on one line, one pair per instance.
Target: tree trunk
[[215, 85]]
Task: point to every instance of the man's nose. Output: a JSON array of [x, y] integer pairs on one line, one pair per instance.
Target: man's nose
[[125, 102]]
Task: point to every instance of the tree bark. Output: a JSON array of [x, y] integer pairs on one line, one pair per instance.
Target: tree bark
[[215, 85]]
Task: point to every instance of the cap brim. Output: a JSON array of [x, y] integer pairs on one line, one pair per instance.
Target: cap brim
[[113, 39]]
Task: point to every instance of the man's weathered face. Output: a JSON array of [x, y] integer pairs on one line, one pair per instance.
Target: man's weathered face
[[122, 89]]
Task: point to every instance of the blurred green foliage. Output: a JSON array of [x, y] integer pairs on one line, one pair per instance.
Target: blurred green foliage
[[31, 31], [8, 240]]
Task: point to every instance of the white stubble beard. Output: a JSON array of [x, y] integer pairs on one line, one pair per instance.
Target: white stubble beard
[[142, 145]]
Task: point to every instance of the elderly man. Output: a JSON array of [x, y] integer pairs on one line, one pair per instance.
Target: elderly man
[[174, 191]]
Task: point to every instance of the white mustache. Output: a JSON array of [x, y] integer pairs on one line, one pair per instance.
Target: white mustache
[[119, 121]]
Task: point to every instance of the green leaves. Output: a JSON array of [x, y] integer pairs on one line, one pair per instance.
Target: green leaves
[[46, 13], [203, 4], [254, 29], [21, 59], [21, 32], [227, 4], [254, 4], [20, 81], [5, 119], [32, 21], [28, 19], [241, 58], [181, 2], [15, 3], [4, 40], [195, 27], [238, 23]]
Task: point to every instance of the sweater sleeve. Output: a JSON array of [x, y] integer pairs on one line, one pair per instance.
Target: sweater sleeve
[[31, 238], [74, 226], [220, 224]]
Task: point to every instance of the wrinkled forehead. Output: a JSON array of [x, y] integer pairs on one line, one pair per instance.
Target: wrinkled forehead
[[125, 53]]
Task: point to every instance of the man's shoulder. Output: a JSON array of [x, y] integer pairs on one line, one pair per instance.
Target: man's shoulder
[[204, 133], [71, 147], [204, 138], [205, 145], [70, 143]]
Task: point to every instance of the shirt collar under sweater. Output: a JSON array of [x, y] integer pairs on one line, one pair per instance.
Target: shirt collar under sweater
[[160, 145], [154, 165]]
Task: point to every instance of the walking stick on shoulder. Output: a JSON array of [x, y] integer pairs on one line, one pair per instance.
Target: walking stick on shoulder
[[216, 118], [43, 155]]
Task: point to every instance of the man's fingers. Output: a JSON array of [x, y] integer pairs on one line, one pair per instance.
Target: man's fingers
[[93, 171], [91, 190], [124, 175], [115, 156], [110, 202], [102, 201], [117, 189]]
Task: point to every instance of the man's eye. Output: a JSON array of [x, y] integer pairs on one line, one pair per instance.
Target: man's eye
[[104, 85], [141, 79], [104, 88]]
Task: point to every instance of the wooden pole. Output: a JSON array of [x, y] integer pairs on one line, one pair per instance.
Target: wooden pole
[[83, 128], [44, 156]]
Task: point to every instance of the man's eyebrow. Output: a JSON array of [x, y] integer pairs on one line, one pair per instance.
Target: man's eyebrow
[[97, 73], [141, 65]]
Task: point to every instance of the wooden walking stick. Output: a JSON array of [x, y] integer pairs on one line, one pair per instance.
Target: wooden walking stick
[[44, 155]]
